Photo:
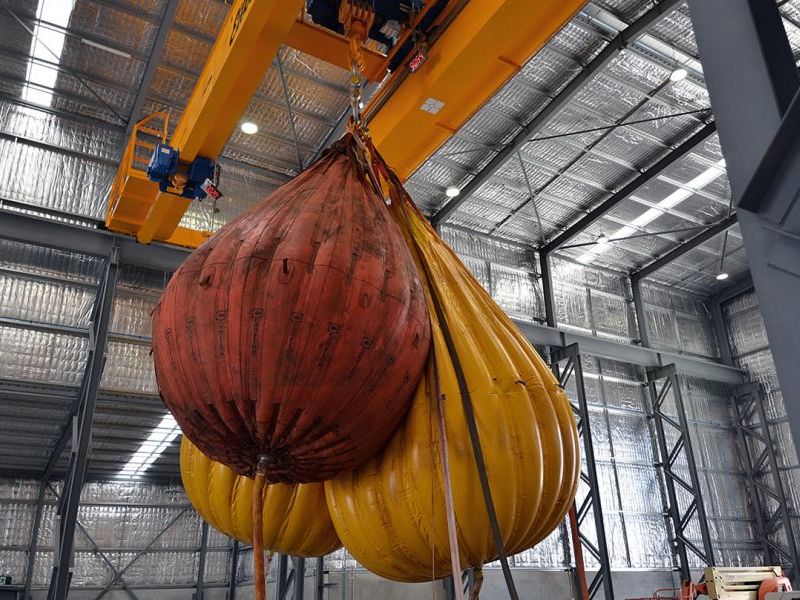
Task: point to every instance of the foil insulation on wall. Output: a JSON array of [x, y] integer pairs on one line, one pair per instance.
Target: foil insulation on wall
[[592, 300], [749, 345], [677, 321], [631, 496], [116, 520], [720, 473]]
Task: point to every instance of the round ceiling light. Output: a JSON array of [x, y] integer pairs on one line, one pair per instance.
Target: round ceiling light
[[249, 128], [722, 276], [452, 191], [602, 239], [678, 74]]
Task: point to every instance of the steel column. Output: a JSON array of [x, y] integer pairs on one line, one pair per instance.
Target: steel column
[[287, 578], [641, 315], [567, 364], [291, 577], [319, 578], [547, 289], [82, 424], [201, 563], [234, 566], [663, 383], [720, 331], [753, 83], [34, 540], [299, 577], [765, 480], [467, 583]]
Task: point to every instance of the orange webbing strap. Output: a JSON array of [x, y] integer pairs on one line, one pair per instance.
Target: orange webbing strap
[[258, 537], [455, 559], [476, 588], [357, 36]]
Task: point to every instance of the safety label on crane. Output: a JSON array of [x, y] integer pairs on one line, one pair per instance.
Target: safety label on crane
[[432, 105]]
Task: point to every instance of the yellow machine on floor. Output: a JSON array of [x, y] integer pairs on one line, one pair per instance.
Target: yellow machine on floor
[[747, 583]]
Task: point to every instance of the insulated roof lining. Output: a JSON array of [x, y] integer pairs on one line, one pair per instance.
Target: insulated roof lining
[[634, 83], [318, 97]]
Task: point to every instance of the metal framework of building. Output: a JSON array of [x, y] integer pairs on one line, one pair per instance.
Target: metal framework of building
[[545, 167]]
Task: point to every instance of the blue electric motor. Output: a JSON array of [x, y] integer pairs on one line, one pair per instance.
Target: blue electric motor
[[164, 164]]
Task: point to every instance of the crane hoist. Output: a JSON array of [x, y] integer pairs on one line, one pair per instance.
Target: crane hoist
[[437, 62]]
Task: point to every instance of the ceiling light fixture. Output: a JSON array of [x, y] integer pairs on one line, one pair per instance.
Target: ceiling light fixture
[[452, 191], [651, 214], [602, 239], [47, 45], [105, 48], [722, 276], [154, 446], [249, 128], [678, 74]]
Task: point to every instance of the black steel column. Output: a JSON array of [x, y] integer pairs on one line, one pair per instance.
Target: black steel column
[[753, 83], [663, 383], [34, 540], [547, 289], [201, 563], [319, 578], [573, 368], [299, 577], [234, 567], [82, 426], [641, 315], [467, 583], [764, 479], [720, 332], [284, 576]]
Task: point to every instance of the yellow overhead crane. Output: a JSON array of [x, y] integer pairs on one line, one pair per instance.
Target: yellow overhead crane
[[483, 44]]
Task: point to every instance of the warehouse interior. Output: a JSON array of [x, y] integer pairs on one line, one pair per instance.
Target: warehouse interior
[[617, 174]]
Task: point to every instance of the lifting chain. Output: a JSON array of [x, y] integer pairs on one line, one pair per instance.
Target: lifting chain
[[357, 17]]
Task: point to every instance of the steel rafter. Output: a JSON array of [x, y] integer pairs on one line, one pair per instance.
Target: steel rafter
[[765, 479], [608, 54], [165, 24], [82, 425], [650, 173], [689, 245], [674, 442], [567, 364]]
